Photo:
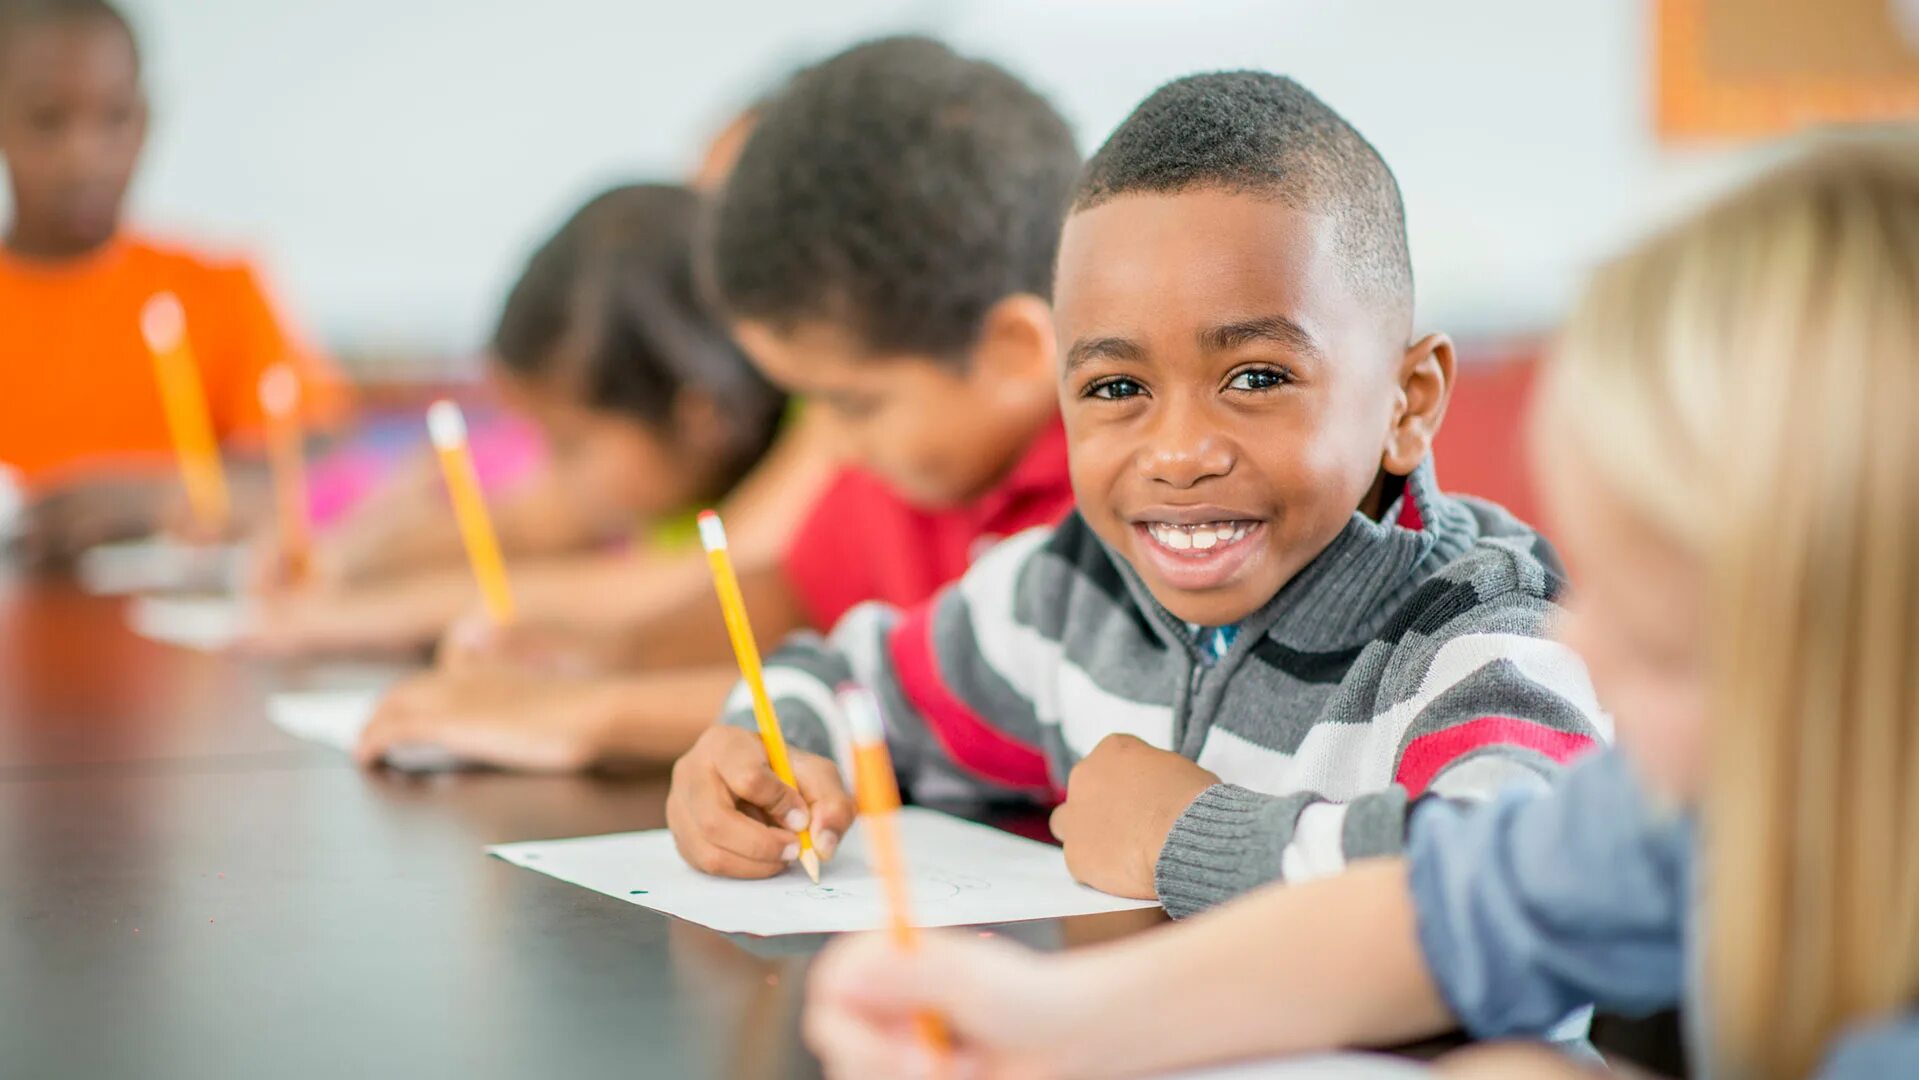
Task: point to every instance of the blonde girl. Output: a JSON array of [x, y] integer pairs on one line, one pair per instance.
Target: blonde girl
[[1728, 431]]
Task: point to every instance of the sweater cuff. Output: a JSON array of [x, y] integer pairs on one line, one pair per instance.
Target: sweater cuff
[[1227, 841]]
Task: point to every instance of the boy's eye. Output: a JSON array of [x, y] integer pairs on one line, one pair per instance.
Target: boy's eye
[[1116, 388], [1259, 379]]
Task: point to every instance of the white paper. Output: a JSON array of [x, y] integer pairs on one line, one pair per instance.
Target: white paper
[[335, 718], [206, 623], [1316, 1067], [962, 874], [332, 718], [157, 565]]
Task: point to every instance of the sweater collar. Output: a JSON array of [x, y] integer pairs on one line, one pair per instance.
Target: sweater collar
[[1344, 597]]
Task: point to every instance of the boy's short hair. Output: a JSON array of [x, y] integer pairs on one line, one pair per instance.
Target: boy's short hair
[[1257, 133], [898, 189], [17, 15]]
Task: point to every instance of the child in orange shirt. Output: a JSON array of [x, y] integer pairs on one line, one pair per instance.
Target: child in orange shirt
[[81, 421]]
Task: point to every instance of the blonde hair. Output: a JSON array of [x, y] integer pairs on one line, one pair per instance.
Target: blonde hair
[[1748, 382]]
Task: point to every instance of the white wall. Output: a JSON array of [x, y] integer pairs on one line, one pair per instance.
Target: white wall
[[394, 159]]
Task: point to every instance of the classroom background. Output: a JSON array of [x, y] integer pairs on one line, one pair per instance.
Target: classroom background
[[391, 165], [396, 162]]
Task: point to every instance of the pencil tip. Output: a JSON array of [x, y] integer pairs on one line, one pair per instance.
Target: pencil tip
[[811, 863]]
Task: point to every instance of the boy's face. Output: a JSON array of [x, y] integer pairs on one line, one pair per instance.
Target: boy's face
[[72, 120], [937, 434], [1227, 394]]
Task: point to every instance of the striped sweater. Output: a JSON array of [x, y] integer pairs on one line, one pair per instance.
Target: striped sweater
[[1406, 659]]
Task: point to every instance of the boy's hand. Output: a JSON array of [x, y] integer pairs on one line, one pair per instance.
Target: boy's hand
[[1121, 802], [59, 524], [731, 816], [503, 720]]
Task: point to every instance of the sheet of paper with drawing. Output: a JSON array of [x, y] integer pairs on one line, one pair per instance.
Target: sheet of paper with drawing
[[963, 874]]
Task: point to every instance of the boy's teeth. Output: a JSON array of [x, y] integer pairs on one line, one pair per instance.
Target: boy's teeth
[[1197, 537]]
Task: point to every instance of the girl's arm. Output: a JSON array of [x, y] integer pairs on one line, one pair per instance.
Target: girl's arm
[[1329, 964], [658, 611], [405, 526]]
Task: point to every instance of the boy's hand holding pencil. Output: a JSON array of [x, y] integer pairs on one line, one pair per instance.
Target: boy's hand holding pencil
[[743, 805], [731, 816]]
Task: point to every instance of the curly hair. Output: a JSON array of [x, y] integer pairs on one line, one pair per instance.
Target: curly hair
[[898, 190], [608, 309]]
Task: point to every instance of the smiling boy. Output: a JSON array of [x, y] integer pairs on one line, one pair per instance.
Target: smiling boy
[[1265, 629]]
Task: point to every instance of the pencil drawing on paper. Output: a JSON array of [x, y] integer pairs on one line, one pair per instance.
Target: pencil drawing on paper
[[852, 880]]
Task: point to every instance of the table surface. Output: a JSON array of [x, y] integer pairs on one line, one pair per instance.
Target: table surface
[[187, 892]]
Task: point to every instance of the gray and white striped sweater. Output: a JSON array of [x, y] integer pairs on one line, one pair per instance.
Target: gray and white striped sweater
[[1407, 659]]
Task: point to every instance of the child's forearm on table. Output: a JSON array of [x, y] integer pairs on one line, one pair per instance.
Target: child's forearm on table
[[656, 717]]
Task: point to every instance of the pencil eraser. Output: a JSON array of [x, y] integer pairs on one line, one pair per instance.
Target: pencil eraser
[[163, 322], [712, 533], [280, 391], [446, 424]]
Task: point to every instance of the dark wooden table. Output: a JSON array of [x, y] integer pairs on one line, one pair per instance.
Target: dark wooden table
[[187, 892]]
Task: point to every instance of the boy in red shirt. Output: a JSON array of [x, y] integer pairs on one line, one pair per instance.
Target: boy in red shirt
[[884, 248], [80, 410]]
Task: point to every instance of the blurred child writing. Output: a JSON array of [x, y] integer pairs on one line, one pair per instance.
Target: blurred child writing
[[81, 414]]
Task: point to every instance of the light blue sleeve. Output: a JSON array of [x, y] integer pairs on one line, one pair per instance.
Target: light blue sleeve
[[1888, 1049], [1539, 903]]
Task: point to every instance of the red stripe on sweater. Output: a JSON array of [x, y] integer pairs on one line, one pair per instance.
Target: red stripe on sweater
[[1409, 515], [974, 744], [1428, 755]]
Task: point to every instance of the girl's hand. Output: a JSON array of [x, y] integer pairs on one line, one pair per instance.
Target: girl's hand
[[1012, 1014], [378, 619]]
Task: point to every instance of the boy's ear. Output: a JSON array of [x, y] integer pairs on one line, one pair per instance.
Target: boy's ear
[[1425, 385], [1016, 344]]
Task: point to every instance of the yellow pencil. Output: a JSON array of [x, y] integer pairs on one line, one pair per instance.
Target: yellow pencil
[[447, 425], [878, 792], [163, 322], [280, 400], [733, 607]]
